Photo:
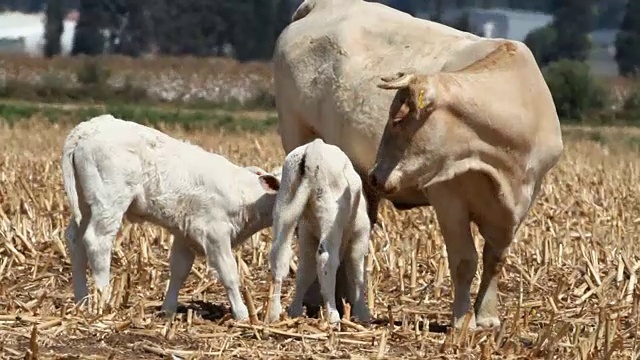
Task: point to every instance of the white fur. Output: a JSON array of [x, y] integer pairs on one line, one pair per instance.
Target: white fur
[[322, 193], [114, 168]]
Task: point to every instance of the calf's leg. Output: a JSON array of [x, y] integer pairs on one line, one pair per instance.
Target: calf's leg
[[102, 227], [220, 257], [355, 268], [279, 259], [79, 261], [313, 297], [306, 273], [180, 262], [328, 261]]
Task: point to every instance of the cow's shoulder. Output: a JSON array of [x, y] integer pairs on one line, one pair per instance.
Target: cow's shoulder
[[486, 55]]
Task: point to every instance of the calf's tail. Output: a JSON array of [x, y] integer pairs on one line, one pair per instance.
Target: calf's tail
[[69, 179], [287, 213]]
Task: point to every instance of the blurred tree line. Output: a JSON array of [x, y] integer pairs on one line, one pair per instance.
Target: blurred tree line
[[567, 37], [244, 29], [247, 29]]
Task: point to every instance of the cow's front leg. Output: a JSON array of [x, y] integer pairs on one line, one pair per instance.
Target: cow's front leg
[[453, 217], [496, 243]]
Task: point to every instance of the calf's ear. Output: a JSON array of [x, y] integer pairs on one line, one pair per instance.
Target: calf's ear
[[255, 169], [270, 183]]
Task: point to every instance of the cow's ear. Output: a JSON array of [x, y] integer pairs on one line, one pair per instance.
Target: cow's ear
[[397, 81], [400, 107], [270, 183], [415, 93], [403, 102], [422, 93]]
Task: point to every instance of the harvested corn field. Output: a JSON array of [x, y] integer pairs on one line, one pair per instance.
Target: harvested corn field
[[569, 288]]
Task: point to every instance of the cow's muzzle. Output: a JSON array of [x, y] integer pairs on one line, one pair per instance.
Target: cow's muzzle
[[381, 183]]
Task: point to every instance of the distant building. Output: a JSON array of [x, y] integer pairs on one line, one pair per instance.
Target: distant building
[[603, 51], [24, 33], [497, 22]]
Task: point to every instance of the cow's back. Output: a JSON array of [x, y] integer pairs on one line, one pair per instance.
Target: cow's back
[[327, 63]]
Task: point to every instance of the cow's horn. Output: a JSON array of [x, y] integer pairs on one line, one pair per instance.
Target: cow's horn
[[398, 81]]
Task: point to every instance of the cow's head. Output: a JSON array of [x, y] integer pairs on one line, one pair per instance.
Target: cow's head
[[398, 159]]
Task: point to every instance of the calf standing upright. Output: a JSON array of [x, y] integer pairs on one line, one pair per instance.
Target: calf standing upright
[[114, 168], [322, 194]]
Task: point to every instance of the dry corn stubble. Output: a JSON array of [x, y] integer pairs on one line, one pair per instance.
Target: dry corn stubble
[[568, 289]]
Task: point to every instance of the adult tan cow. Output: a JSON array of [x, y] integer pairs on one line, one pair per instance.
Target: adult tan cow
[[472, 130]]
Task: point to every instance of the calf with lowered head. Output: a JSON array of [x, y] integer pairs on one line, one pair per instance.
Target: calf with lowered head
[[322, 194], [114, 168]]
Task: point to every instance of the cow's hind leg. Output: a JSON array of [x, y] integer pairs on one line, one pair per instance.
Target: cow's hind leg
[[294, 131]]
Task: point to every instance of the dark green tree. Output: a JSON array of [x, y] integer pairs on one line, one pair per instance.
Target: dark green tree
[[88, 38], [628, 40], [53, 27], [541, 42], [256, 25], [438, 10], [573, 20], [576, 93], [135, 35], [194, 27]]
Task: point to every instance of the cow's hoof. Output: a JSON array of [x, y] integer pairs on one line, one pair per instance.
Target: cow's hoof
[[295, 310]]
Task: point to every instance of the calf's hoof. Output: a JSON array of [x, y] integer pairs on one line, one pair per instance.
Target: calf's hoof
[[459, 322], [488, 322], [333, 317], [274, 313], [241, 314]]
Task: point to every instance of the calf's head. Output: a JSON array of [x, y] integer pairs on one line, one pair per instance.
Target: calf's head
[[398, 159], [270, 182]]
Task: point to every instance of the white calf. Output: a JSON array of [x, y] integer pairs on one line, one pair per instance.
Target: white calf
[[114, 168], [322, 193]]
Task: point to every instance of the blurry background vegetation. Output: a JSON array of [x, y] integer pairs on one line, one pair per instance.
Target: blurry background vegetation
[[246, 31]]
